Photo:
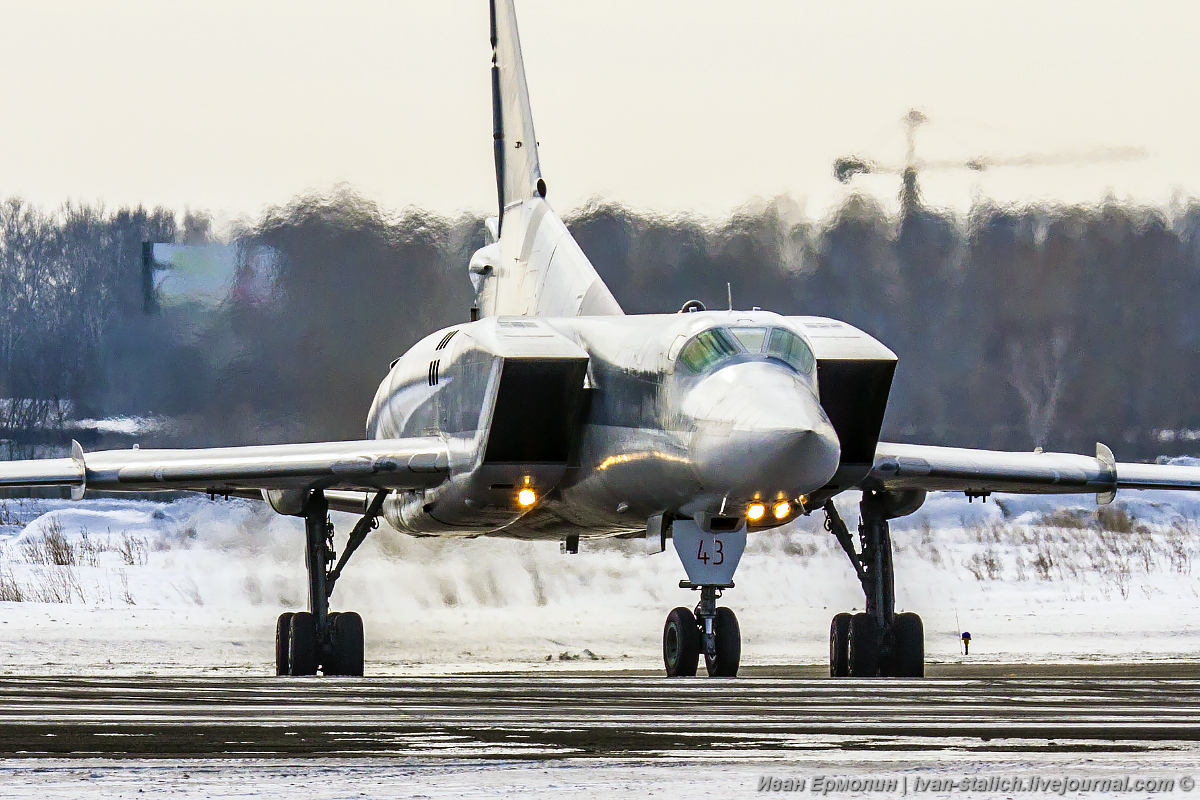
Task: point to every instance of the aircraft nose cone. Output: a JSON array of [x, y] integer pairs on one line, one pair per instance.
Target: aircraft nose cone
[[760, 428]]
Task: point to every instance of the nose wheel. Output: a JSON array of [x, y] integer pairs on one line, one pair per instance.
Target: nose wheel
[[726, 653], [681, 644], [709, 630]]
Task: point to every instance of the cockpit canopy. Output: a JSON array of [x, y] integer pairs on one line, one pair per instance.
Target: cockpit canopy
[[708, 348]]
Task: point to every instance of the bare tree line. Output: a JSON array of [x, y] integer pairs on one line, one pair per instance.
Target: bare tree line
[[66, 297], [1015, 327]]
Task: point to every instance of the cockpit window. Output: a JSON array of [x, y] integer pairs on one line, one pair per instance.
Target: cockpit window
[[706, 349], [751, 338], [791, 349]]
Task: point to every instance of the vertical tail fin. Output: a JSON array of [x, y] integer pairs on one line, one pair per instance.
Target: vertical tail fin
[[535, 268], [518, 176]]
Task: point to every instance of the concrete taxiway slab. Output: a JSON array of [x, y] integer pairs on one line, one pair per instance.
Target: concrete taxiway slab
[[1077, 708]]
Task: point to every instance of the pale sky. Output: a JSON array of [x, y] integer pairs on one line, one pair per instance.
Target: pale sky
[[673, 105]]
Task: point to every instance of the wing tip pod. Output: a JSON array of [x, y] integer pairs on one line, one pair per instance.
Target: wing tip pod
[[79, 489], [1105, 456], [953, 469], [71, 472]]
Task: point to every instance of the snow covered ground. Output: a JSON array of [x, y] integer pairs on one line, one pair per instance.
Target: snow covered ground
[[682, 775], [196, 585]]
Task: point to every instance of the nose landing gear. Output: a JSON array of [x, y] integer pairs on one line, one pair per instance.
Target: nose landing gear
[[878, 642], [709, 630], [710, 559]]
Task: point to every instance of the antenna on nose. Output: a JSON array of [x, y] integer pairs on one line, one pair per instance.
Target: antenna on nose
[[729, 294]]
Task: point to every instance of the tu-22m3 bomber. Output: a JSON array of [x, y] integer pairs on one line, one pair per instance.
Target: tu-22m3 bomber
[[548, 413]]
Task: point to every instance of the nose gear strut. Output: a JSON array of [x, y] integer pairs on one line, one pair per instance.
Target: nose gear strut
[[710, 559]]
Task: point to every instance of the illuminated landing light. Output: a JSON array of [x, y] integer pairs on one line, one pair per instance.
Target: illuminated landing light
[[755, 511], [782, 509], [526, 498]]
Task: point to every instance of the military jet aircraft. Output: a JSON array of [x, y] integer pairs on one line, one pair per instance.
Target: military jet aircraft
[[551, 414]]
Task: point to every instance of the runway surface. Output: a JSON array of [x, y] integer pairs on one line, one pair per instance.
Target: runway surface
[[573, 715]]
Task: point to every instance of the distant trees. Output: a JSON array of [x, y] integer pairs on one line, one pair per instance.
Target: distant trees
[[1015, 327], [356, 287], [65, 296]]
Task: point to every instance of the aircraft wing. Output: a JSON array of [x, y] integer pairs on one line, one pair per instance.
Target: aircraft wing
[[910, 466], [367, 465]]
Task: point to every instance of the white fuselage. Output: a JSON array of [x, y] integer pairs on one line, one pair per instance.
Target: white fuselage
[[655, 425]]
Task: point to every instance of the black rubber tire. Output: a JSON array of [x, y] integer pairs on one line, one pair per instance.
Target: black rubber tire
[[302, 644], [681, 644], [346, 640], [729, 645], [865, 639], [283, 635], [324, 652], [908, 649], [839, 646]]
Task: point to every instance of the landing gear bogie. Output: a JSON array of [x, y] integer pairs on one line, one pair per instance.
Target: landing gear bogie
[[860, 648], [331, 642], [302, 649], [877, 642]]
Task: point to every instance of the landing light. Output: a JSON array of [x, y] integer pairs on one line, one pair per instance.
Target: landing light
[[755, 511], [782, 509], [526, 498]]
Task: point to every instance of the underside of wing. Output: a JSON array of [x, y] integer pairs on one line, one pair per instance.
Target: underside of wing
[[908, 466], [350, 466]]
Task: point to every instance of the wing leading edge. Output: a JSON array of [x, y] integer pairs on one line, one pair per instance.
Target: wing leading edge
[[367, 465], [925, 467]]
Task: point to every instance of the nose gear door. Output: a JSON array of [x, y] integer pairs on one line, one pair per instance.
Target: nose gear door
[[709, 557]]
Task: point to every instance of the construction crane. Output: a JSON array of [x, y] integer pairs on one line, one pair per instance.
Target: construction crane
[[846, 167]]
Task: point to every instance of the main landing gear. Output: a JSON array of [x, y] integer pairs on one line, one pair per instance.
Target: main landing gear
[[317, 639], [709, 630], [878, 642]]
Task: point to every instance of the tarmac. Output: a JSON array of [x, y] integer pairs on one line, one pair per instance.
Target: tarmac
[[992, 708]]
